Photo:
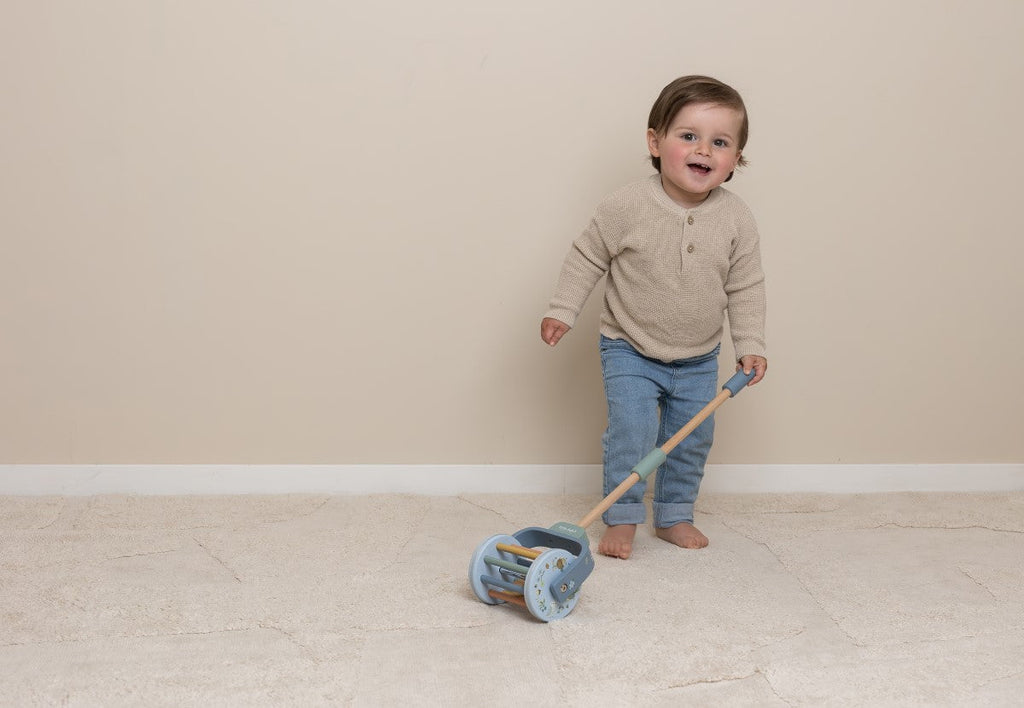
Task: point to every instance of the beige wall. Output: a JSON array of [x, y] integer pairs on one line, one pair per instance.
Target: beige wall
[[317, 232]]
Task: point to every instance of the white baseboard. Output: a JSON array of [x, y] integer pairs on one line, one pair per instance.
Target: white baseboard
[[448, 480]]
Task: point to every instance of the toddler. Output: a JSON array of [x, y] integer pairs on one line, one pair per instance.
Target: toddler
[[679, 251]]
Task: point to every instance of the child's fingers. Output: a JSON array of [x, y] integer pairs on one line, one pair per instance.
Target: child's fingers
[[757, 364], [552, 330], [556, 334]]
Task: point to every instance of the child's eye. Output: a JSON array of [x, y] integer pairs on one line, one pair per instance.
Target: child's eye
[[721, 143], [688, 137]]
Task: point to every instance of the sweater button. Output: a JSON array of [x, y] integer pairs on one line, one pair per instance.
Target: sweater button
[[689, 219], [689, 249]]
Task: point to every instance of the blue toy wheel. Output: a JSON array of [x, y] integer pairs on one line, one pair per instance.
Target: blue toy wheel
[[546, 569], [479, 567]]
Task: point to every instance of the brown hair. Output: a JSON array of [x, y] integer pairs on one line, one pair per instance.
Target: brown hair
[[695, 89]]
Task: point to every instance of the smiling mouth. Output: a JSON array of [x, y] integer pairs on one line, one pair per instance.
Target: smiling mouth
[[698, 168]]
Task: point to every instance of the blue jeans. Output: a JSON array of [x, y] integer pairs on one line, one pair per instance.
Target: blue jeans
[[638, 388]]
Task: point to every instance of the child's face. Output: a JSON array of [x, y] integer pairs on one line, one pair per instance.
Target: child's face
[[698, 151]]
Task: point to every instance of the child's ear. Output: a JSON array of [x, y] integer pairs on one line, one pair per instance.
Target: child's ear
[[739, 156], [652, 142]]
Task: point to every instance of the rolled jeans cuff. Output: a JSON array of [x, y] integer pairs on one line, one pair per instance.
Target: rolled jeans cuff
[[625, 513], [666, 515]]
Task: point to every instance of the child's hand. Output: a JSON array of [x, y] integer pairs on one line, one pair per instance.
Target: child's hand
[[551, 330], [758, 363]]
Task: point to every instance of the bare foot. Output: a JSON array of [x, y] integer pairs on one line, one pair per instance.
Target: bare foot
[[683, 535], [618, 541]]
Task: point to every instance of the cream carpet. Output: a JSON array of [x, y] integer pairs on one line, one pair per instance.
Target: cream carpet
[[801, 600]]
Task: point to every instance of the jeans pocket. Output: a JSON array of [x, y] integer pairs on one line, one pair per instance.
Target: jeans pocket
[[615, 349]]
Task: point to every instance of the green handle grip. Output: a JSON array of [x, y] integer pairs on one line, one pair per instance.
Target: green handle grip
[[650, 463]]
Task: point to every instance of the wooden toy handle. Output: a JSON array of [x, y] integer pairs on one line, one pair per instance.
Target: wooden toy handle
[[653, 460]]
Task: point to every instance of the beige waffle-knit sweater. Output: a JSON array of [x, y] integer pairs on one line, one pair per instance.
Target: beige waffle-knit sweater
[[672, 273]]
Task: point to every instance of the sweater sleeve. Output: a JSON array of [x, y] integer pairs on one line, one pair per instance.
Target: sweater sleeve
[[744, 288], [588, 259]]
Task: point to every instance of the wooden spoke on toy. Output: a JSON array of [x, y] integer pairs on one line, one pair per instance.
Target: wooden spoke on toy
[[479, 568], [505, 565], [519, 550], [507, 597]]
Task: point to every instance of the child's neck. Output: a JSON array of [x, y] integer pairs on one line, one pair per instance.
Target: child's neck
[[684, 199]]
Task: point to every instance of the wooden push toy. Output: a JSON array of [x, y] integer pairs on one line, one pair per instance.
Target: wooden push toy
[[543, 569]]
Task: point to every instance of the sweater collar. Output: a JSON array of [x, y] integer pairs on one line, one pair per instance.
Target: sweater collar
[[712, 202]]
